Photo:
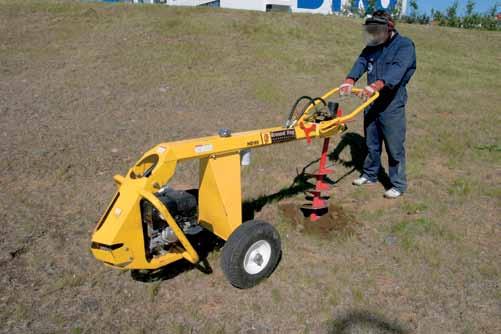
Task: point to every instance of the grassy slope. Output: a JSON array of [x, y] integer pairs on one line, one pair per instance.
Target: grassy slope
[[84, 89]]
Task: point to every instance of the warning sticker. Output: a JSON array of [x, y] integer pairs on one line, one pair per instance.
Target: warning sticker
[[282, 136], [203, 148]]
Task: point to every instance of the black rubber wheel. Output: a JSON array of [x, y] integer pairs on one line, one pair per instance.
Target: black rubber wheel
[[251, 253]]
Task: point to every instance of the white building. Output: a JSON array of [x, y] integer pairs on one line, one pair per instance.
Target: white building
[[296, 6]]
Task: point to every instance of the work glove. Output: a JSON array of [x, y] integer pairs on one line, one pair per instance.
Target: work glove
[[371, 89], [346, 87]]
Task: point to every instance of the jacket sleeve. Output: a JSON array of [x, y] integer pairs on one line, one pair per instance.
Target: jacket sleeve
[[404, 60], [358, 68]]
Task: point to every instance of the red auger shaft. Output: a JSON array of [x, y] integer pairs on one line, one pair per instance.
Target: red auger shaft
[[318, 202]]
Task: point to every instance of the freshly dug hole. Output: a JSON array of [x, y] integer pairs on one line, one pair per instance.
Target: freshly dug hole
[[335, 223]]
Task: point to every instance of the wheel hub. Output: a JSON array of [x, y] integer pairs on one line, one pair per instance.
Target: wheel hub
[[257, 257]]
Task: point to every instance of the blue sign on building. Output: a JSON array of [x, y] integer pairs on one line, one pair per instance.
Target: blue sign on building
[[308, 6], [337, 4]]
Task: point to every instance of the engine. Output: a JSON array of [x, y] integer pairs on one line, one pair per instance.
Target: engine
[[182, 206]]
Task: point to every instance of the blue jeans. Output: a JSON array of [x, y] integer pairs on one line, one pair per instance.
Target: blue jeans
[[388, 127]]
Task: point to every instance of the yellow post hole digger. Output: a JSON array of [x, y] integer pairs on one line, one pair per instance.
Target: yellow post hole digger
[[147, 222]]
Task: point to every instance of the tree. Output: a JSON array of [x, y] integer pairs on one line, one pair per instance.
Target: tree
[[362, 11], [347, 9], [371, 7], [452, 15], [470, 6], [438, 17], [397, 9], [414, 8], [489, 21], [493, 10], [470, 20]]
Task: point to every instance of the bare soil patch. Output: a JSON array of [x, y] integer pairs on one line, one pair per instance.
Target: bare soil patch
[[337, 222]]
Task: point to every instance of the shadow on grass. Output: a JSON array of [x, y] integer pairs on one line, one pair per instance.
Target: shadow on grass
[[358, 152], [366, 321], [204, 243], [301, 183]]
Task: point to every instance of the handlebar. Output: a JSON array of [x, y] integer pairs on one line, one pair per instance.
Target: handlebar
[[352, 114]]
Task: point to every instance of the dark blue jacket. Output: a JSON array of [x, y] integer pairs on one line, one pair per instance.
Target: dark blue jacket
[[394, 62]]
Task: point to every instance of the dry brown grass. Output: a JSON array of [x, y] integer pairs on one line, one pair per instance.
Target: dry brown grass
[[85, 89]]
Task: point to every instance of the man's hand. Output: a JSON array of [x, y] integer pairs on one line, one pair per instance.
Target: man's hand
[[371, 89], [346, 87]]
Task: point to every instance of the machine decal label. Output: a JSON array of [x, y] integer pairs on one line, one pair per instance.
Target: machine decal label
[[282, 136], [266, 138], [252, 143], [203, 148], [161, 149]]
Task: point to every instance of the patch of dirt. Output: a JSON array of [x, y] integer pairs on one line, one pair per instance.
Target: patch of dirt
[[335, 223]]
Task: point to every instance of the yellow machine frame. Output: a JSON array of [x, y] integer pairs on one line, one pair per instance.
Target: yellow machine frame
[[118, 237]]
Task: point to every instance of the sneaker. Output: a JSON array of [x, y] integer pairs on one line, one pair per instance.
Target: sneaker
[[392, 193], [362, 181]]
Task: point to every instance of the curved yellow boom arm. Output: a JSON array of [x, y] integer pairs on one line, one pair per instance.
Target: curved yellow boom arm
[[118, 238]]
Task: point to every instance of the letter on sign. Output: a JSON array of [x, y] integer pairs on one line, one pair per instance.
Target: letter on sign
[[309, 4]]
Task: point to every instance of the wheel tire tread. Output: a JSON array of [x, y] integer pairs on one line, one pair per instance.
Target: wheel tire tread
[[232, 253]]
